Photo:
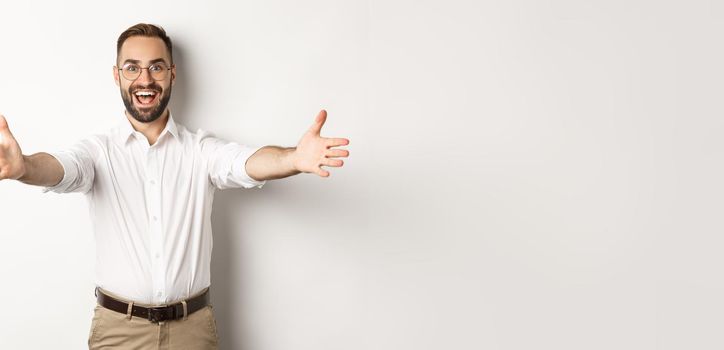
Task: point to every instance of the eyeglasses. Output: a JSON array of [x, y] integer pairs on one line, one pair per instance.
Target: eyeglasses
[[132, 71]]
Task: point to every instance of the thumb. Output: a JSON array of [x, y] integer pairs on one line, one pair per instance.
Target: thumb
[[5, 130], [318, 122]]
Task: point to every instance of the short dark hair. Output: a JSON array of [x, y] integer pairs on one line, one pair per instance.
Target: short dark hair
[[148, 30]]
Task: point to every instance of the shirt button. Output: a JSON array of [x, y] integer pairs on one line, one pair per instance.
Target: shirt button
[[155, 218], [158, 255], [159, 293], [153, 182]]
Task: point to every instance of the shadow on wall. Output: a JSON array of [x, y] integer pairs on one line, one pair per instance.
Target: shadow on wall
[[227, 264], [232, 263], [181, 90], [230, 267], [227, 208]]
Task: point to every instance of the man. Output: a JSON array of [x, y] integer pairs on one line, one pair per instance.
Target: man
[[150, 185]]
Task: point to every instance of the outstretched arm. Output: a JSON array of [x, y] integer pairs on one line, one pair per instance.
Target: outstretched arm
[[311, 153], [40, 169]]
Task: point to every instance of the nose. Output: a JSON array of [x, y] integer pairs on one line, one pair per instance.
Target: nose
[[145, 76]]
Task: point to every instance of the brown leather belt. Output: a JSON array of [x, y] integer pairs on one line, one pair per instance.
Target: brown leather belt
[[155, 314]]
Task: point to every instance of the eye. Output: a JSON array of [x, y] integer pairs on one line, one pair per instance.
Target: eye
[[131, 68], [156, 68]]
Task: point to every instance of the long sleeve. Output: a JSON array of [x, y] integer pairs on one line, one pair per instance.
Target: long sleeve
[[77, 162], [227, 162]]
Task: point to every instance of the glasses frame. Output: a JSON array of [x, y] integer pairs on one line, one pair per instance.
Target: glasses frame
[[166, 70]]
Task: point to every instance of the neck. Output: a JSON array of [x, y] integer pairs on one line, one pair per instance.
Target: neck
[[151, 130]]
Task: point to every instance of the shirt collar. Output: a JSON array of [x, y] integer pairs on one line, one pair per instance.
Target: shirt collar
[[126, 129]]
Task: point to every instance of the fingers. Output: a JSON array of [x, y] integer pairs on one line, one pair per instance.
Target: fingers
[[316, 128], [321, 172], [333, 153], [334, 142], [327, 162], [332, 162]]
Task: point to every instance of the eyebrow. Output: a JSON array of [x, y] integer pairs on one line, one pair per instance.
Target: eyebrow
[[139, 62]]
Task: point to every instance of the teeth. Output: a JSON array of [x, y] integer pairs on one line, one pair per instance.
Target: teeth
[[145, 93]]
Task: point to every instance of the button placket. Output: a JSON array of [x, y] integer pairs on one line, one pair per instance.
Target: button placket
[[153, 195]]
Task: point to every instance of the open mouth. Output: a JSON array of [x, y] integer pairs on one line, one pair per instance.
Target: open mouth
[[145, 98]]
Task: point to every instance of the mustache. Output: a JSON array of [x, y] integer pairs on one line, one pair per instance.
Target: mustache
[[153, 86]]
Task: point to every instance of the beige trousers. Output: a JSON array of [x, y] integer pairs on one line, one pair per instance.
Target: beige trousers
[[111, 330]]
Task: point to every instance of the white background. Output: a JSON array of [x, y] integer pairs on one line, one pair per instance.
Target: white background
[[523, 174]]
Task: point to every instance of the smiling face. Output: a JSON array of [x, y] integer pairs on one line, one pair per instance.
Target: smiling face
[[145, 98]]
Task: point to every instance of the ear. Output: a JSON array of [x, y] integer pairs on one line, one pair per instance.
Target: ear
[[116, 77]]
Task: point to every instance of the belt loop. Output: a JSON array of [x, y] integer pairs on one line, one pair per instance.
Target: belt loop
[[129, 313], [185, 309]]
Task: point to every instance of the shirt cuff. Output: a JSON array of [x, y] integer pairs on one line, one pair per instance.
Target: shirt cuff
[[69, 172], [239, 168]]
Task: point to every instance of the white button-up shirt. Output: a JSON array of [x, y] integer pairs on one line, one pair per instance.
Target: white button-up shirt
[[150, 206]]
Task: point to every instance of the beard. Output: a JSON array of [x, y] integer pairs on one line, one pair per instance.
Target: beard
[[150, 114]]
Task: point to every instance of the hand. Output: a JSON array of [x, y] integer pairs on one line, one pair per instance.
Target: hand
[[314, 151], [12, 163]]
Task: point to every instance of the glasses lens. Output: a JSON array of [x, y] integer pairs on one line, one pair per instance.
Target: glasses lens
[[158, 71], [131, 71]]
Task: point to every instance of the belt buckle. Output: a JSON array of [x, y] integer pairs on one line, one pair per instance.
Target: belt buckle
[[155, 315]]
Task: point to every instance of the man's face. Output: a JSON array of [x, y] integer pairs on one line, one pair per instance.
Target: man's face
[[145, 98]]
